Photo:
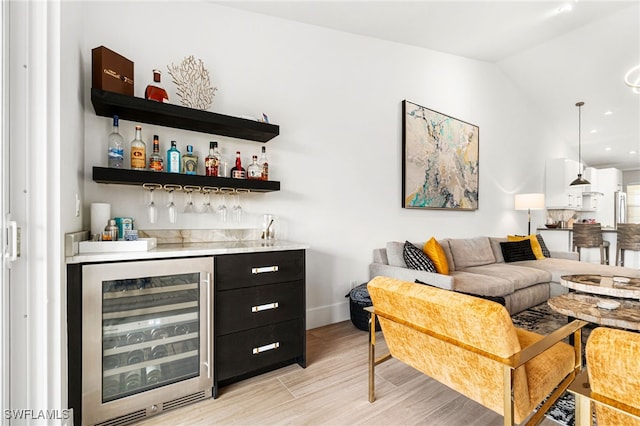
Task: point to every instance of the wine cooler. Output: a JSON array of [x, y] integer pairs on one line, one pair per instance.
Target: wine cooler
[[146, 338]]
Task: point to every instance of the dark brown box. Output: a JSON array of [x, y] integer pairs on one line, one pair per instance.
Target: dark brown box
[[111, 72]]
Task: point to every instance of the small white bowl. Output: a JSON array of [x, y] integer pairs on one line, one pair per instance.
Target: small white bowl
[[608, 304], [621, 280]]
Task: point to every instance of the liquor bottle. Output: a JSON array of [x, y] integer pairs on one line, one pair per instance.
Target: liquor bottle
[[237, 171], [254, 171], [212, 161], [116, 146], [189, 162], [263, 162], [156, 162], [138, 151], [155, 91], [173, 159]]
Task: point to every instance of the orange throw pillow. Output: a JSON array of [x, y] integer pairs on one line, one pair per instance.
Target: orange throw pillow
[[434, 250], [535, 245]]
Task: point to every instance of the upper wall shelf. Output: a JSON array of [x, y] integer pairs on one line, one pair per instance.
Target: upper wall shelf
[[108, 104]]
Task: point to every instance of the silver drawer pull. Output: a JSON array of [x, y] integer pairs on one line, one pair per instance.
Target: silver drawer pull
[[264, 307], [270, 346], [264, 269]]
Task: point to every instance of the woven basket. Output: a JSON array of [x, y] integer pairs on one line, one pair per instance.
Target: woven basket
[[359, 299]]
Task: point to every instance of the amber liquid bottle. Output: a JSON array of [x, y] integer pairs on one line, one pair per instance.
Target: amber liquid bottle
[[155, 91], [238, 172]]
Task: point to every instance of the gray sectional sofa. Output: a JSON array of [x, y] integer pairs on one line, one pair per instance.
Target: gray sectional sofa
[[477, 266]]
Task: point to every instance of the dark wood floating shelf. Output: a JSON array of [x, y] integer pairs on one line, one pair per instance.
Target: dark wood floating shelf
[[108, 104], [139, 177]]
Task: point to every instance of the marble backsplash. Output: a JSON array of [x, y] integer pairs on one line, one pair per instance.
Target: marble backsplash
[[183, 236]]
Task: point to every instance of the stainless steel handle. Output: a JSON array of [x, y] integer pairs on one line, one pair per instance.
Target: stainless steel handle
[[269, 347], [12, 234], [208, 283], [263, 269], [264, 307]]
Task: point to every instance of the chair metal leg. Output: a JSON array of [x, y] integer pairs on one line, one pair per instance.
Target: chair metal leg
[[372, 356]]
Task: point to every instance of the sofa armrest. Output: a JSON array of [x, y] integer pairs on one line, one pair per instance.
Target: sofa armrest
[[569, 255], [406, 274]]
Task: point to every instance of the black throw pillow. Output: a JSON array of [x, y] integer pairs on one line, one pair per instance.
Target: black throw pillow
[[515, 251], [416, 259], [543, 246], [496, 299]]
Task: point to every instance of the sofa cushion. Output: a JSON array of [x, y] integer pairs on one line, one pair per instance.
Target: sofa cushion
[[434, 250], [395, 250], [485, 285], [497, 299], [518, 275], [495, 248], [471, 252], [514, 251], [415, 258]]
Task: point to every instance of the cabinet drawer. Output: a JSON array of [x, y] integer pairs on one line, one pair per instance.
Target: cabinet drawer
[[249, 269], [252, 307], [247, 351]]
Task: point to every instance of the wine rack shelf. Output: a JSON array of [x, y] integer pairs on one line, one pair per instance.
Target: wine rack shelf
[[140, 177], [108, 104]]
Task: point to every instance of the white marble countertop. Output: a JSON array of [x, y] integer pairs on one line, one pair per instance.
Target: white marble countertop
[[164, 251]]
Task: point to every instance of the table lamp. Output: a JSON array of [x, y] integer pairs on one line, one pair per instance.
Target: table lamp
[[529, 202]]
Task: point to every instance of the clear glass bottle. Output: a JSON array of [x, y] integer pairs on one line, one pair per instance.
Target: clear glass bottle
[[237, 172], [212, 161], [155, 91], [156, 162], [116, 146], [263, 162], [189, 162], [254, 171], [173, 159], [138, 151]]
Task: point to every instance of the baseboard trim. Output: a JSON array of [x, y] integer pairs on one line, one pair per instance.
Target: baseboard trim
[[328, 314]]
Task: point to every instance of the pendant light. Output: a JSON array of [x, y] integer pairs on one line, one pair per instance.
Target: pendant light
[[580, 180]]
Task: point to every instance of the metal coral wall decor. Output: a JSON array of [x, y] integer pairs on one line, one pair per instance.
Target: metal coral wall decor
[[193, 84]]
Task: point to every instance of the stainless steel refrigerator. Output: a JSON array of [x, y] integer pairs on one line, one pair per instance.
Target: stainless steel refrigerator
[[619, 208]]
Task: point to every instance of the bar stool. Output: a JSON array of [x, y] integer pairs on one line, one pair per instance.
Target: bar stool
[[628, 239], [589, 235]]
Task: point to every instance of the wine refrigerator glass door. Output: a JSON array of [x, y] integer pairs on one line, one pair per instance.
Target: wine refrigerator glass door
[[146, 336]]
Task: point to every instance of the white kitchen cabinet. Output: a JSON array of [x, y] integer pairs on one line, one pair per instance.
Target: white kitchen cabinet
[[560, 172]]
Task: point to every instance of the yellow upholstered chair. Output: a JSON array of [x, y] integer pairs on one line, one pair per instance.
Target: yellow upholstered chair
[[611, 381], [471, 345], [628, 239], [589, 235]]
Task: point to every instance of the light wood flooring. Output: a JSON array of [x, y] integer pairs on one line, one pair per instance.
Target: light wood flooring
[[333, 390]]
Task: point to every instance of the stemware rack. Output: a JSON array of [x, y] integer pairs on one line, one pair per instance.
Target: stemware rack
[[141, 177]]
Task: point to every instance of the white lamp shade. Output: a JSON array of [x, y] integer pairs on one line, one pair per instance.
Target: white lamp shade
[[529, 201]]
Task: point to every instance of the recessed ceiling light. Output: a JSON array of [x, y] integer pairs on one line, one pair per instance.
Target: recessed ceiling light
[[594, 131], [632, 152], [608, 112], [608, 148]]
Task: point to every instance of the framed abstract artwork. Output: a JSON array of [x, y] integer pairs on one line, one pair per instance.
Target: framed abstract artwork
[[440, 160]]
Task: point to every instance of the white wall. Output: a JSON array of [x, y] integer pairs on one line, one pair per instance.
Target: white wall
[[337, 98]]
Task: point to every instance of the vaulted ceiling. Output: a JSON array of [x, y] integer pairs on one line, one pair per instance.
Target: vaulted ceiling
[[557, 52]]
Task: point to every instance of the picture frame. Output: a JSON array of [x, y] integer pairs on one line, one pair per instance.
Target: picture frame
[[440, 161]]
